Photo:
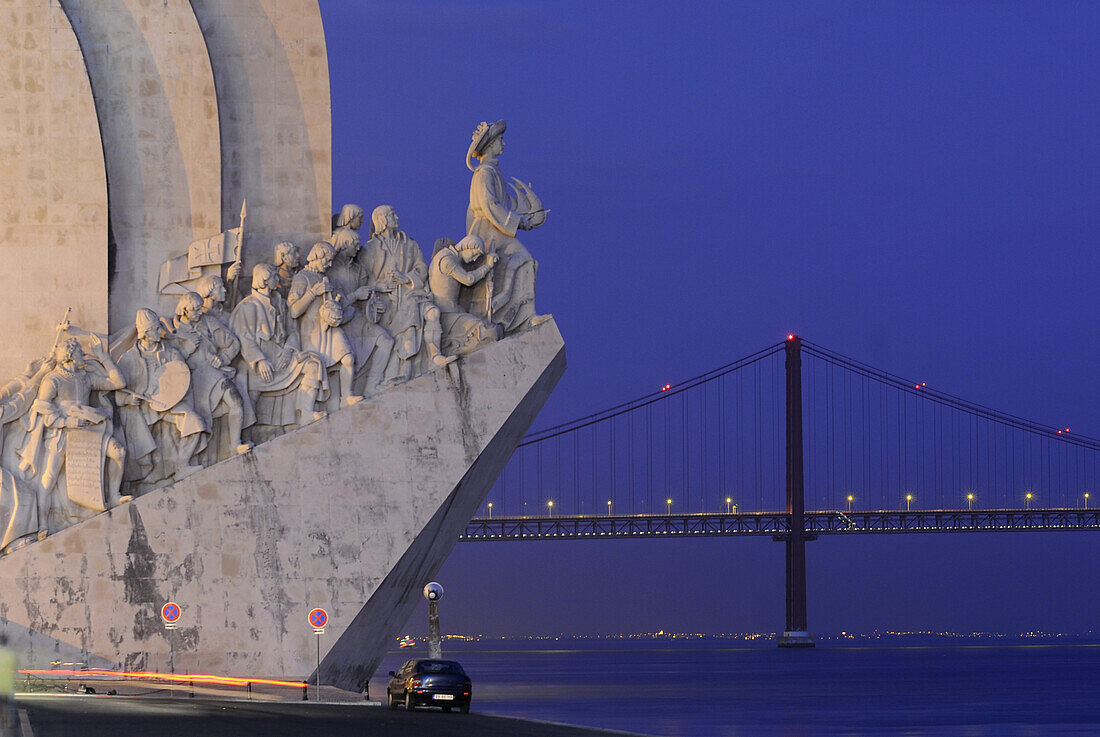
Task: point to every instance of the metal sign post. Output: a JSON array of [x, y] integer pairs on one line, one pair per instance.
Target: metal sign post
[[318, 618], [170, 613]]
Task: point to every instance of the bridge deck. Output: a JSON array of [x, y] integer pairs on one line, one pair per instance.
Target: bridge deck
[[776, 524]]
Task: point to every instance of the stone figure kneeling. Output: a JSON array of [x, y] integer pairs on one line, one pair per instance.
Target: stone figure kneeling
[[449, 274]]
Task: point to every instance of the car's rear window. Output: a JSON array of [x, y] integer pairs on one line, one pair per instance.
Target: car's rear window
[[448, 667]]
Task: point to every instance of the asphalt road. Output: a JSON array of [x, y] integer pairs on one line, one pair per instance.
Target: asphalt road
[[111, 716]]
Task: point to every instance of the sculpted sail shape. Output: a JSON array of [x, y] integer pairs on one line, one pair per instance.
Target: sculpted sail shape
[[272, 418]]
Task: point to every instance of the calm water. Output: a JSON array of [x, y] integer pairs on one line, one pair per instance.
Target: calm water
[[725, 688]]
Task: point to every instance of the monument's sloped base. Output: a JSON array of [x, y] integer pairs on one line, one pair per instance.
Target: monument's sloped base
[[352, 513]]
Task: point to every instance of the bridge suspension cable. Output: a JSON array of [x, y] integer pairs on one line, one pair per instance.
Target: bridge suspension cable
[[872, 440]]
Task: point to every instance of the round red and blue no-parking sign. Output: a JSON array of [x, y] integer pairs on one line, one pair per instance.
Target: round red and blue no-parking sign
[[318, 618], [170, 612]]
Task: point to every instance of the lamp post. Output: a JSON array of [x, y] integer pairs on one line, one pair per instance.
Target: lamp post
[[550, 507], [433, 592], [1086, 500], [908, 499], [970, 501], [490, 510], [729, 501], [608, 507], [850, 500], [668, 506], [1027, 496]]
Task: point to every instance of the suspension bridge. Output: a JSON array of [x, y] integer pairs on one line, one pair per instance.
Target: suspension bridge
[[794, 441]]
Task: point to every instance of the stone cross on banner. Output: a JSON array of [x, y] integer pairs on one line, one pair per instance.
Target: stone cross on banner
[[204, 256]]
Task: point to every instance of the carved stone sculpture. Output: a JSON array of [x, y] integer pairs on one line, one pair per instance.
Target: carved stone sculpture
[[398, 273], [214, 294], [18, 500], [350, 216], [372, 343], [209, 348], [208, 385], [320, 310], [283, 381], [450, 274], [494, 215], [213, 256], [288, 259], [70, 445], [157, 407]]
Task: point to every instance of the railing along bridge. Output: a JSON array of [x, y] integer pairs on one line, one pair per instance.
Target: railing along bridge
[[793, 441]]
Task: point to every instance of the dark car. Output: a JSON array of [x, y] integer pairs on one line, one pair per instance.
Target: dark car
[[429, 682]]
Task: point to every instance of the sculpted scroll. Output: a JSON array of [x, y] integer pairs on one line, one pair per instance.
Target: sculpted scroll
[[84, 465]]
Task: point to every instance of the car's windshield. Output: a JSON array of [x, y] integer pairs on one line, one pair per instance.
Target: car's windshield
[[440, 666]]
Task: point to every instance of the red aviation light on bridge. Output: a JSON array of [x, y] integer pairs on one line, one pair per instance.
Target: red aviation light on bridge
[[790, 336], [666, 387]]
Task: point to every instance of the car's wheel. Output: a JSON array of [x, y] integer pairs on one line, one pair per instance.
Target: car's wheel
[[465, 708], [447, 709], [409, 701], [392, 700]]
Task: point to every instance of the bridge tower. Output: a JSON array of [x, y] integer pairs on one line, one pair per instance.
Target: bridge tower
[[796, 633]]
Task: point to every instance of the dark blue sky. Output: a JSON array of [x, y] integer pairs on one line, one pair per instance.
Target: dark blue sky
[[914, 184]]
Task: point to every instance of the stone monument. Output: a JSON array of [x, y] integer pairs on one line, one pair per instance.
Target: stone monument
[[216, 420]]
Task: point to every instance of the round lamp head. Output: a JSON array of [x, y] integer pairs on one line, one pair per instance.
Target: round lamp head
[[433, 592]]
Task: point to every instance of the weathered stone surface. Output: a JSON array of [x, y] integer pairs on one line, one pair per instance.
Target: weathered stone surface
[[271, 72], [183, 123], [158, 116], [358, 508], [53, 185]]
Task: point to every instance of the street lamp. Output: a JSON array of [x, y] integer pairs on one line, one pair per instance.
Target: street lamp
[[668, 506], [908, 498], [850, 500], [1027, 496], [729, 501], [490, 510], [550, 506], [1086, 500], [969, 501], [608, 507]]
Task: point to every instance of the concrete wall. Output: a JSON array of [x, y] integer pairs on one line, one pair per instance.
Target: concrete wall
[[357, 509], [158, 116], [128, 129], [53, 185], [271, 72]]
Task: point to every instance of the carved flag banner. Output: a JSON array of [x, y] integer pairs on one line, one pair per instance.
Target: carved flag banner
[[204, 256]]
